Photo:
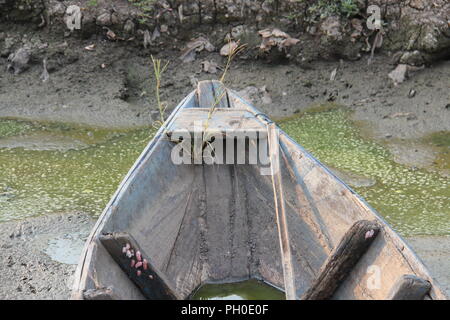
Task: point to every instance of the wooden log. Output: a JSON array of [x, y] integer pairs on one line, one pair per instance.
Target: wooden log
[[342, 259], [99, 294], [409, 287], [137, 265]]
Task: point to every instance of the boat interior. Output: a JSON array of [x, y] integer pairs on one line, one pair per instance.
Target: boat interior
[[204, 223]]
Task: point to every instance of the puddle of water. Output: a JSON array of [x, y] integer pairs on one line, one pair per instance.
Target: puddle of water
[[244, 290], [413, 201], [66, 249], [35, 182]]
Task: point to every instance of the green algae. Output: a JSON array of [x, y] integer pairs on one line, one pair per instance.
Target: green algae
[[441, 142], [244, 290], [9, 127], [35, 182], [413, 201]]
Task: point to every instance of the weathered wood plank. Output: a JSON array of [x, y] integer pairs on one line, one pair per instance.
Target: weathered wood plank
[[99, 294], [135, 263], [211, 94], [342, 259], [409, 287], [221, 120]]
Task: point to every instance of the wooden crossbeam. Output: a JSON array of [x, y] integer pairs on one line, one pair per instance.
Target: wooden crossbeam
[[409, 287], [137, 266], [232, 120], [342, 259]]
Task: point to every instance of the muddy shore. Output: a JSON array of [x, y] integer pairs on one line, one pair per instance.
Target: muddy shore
[[121, 95], [39, 255]]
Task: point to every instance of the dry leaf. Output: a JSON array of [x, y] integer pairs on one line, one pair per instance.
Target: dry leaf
[[289, 42], [279, 34], [228, 48], [209, 66]]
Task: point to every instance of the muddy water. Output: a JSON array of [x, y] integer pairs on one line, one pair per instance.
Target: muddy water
[[48, 167], [245, 290]]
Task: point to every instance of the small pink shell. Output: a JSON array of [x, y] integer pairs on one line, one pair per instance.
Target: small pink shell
[[145, 264], [369, 234], [132, 263], [138, 273], [138, 255], [138, 264]]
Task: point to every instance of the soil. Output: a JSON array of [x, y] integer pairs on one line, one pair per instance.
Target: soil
[[32, 265]]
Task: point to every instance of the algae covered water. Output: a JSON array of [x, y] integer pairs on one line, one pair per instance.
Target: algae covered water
[[48, 168], [53, 167], [413, 201], [244, 290]]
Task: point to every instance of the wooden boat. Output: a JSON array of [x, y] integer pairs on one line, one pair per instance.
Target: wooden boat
[[170, 228]]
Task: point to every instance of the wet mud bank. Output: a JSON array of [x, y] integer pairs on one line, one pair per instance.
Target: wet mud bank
[[39, 255]]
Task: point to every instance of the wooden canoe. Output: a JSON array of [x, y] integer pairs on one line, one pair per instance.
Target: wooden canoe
[[300, 229]]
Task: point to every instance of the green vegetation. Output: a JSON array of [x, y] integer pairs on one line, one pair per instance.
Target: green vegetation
[[9, 127], [92, 3], [146, 9], [324, 8], [439, 139], [441, 142], [158, 71]]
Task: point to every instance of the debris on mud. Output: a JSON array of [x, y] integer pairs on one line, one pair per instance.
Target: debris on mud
[[209, 66], [18, 62], [196, 45]]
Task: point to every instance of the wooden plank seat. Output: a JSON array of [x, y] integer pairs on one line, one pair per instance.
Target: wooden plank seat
[[224, 120]]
